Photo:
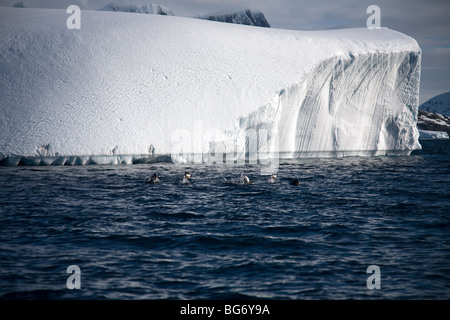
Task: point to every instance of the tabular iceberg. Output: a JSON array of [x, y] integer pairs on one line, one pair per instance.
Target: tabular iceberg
[[131, 88], [431, 135]]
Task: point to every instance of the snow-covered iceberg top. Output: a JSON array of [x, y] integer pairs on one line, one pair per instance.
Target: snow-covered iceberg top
[[128, 87]]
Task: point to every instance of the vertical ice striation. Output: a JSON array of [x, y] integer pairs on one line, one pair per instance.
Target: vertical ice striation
[[347, 105]]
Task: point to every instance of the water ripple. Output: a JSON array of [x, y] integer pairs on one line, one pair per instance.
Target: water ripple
[[212, 240]]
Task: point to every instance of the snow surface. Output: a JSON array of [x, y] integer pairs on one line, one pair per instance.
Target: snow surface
[[430, 135], [127, 88], [439, 104]]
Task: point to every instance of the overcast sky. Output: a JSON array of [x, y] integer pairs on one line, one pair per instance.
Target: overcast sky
[[428, 21]]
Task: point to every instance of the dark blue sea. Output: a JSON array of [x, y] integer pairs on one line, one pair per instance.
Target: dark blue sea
[[216, 240]]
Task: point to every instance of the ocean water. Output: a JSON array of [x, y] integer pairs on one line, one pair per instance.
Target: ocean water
[[215, 240]]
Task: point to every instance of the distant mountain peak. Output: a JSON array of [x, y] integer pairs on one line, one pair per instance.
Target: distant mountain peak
[[248, 17], [19, 4], [439, 104], [152, 8]]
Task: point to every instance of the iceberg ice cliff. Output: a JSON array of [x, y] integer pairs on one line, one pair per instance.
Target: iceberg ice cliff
[[135, 88]]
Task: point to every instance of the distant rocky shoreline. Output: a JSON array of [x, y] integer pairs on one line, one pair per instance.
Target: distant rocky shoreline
[[433, 122]]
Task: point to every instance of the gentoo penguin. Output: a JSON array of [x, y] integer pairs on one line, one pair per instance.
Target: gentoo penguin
[[186, 178], [246, 180], [295, 182], [154, 179]]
